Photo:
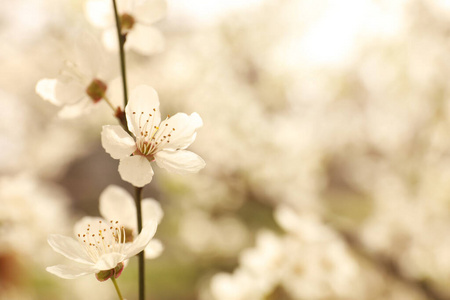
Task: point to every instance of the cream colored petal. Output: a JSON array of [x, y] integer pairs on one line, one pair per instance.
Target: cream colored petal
[[153, 249], [71, 272], [117, 142], [45, 88], [145, 40], [142, 110], [182, 129], [84, 106], [69, 90], [109, 261], [180, 162], [136, 170], [150, 11], [68, 247], [151, 210], [99, 13], [110, 40], [143, 239], [117, 204], [89, 56]]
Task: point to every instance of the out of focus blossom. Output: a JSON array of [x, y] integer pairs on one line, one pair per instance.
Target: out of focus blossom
[[224, 235], [81, 83], [240, 285], [136, 18], [164, 142], [30, 209], [100, 248], [308, 262]]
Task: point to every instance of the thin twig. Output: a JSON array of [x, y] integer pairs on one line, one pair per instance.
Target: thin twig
[[121, 39], [138, 199]]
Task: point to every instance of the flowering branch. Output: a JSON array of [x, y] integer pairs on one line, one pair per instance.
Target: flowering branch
[[121, 116]]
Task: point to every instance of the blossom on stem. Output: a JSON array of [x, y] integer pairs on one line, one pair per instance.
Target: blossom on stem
[[100, 248], [117, 204], [136, 17], [163, 142], [81, 83]]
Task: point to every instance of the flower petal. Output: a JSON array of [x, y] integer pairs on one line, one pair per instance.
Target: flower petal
[[118, 205], [117, 142], [136, 170], [68, 90], [126, 6], [69, 247], [71, 272], [70, 111], [180, 161], [143, 106], [145, 40], [153, 249], [151, 210], [99, 13], [150, 11], [110, 40], [89, 56], [185, 130], [143, 239], [109, 261], [45, 88]]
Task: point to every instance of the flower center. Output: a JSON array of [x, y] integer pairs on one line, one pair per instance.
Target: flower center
[[96, 90], [149, 137], [126, 22], [102, 238]]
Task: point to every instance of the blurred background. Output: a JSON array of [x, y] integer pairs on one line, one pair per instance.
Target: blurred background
[[326, 136]]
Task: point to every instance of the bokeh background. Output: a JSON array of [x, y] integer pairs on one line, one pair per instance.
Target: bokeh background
[[326, 136]]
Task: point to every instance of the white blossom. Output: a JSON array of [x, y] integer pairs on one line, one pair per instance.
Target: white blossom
[[81, 83], [99, 247], [117, 204], [136, 17], [164, 142]]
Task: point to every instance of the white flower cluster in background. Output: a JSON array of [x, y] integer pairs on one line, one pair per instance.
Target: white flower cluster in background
[[308, 262], [31, 208]]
